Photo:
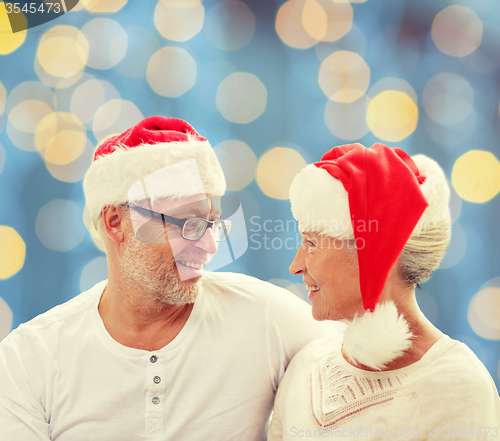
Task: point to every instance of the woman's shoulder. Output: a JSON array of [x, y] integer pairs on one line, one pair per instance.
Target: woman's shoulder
[[316, 350]]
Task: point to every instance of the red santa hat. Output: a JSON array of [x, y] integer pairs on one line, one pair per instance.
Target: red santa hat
[[154, 143], [378, 196]]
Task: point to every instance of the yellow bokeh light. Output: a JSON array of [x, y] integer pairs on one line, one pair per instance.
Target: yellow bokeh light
[[63, 51], [60, 138], [75, 170], [241, 97], [457, 31], [448, 98], [476, 176], [483, 313], [276, 170], [103, 6], [290, 27], [238, 162], [392, 115], [10, 41], [26, 115], [12, 252], [327, 20], [314, 19], [344, 76], [171, 72], [65, 147], [179, 20]]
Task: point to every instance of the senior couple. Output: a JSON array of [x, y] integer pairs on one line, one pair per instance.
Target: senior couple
[[161, 351]]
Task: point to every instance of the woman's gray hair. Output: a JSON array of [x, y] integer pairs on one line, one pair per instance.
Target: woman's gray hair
[[423, 253]]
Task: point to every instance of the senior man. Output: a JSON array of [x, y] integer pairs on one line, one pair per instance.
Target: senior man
[[156, 352]]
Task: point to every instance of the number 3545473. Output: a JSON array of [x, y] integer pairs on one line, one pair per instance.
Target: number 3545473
[[32, 8]]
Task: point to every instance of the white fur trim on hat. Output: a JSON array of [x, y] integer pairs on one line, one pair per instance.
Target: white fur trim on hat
[[110, 178], [320, 202], [376, 338]]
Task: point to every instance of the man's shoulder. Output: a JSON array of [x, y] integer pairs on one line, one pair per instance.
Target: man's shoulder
[[247, 285], [62, 314]]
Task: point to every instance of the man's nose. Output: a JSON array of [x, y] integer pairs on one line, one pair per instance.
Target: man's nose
[[298, 263], [207, 242]]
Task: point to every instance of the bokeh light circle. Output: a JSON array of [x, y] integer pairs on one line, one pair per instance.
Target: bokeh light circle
[[241, 97], [229, 25], [392, 115], [5, 319], [179, 20], [60, 138], [448, 98], [171, 71], [94, 272], [59, 225], [314, 19], [483, 313], [103, 6], [344, 76], [75, 170], [290, 28], [327, 20], [457, 31], [12, 252], [347, 120], [107, 43], [63, 51], [114, 117], [276, 170], [476, 176], [238, 162], [10, 41], [89, 96], [26, 115]]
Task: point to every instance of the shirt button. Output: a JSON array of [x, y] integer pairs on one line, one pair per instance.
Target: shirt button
[[153, 359], [155, 400], [157, 379]]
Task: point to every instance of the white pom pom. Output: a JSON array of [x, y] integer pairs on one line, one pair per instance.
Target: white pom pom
[[376, 338]]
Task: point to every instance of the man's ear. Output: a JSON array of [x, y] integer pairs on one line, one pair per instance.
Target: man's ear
[[114, 223]]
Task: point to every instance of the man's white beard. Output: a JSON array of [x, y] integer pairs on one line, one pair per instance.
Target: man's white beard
[[155, 273]]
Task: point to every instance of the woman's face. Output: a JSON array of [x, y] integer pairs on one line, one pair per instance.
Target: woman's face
[[329, 268]]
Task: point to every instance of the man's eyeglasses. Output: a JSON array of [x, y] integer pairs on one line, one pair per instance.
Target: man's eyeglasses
[[192, 228]]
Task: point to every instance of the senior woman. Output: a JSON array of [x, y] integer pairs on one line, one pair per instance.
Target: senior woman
[[374, 224]]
